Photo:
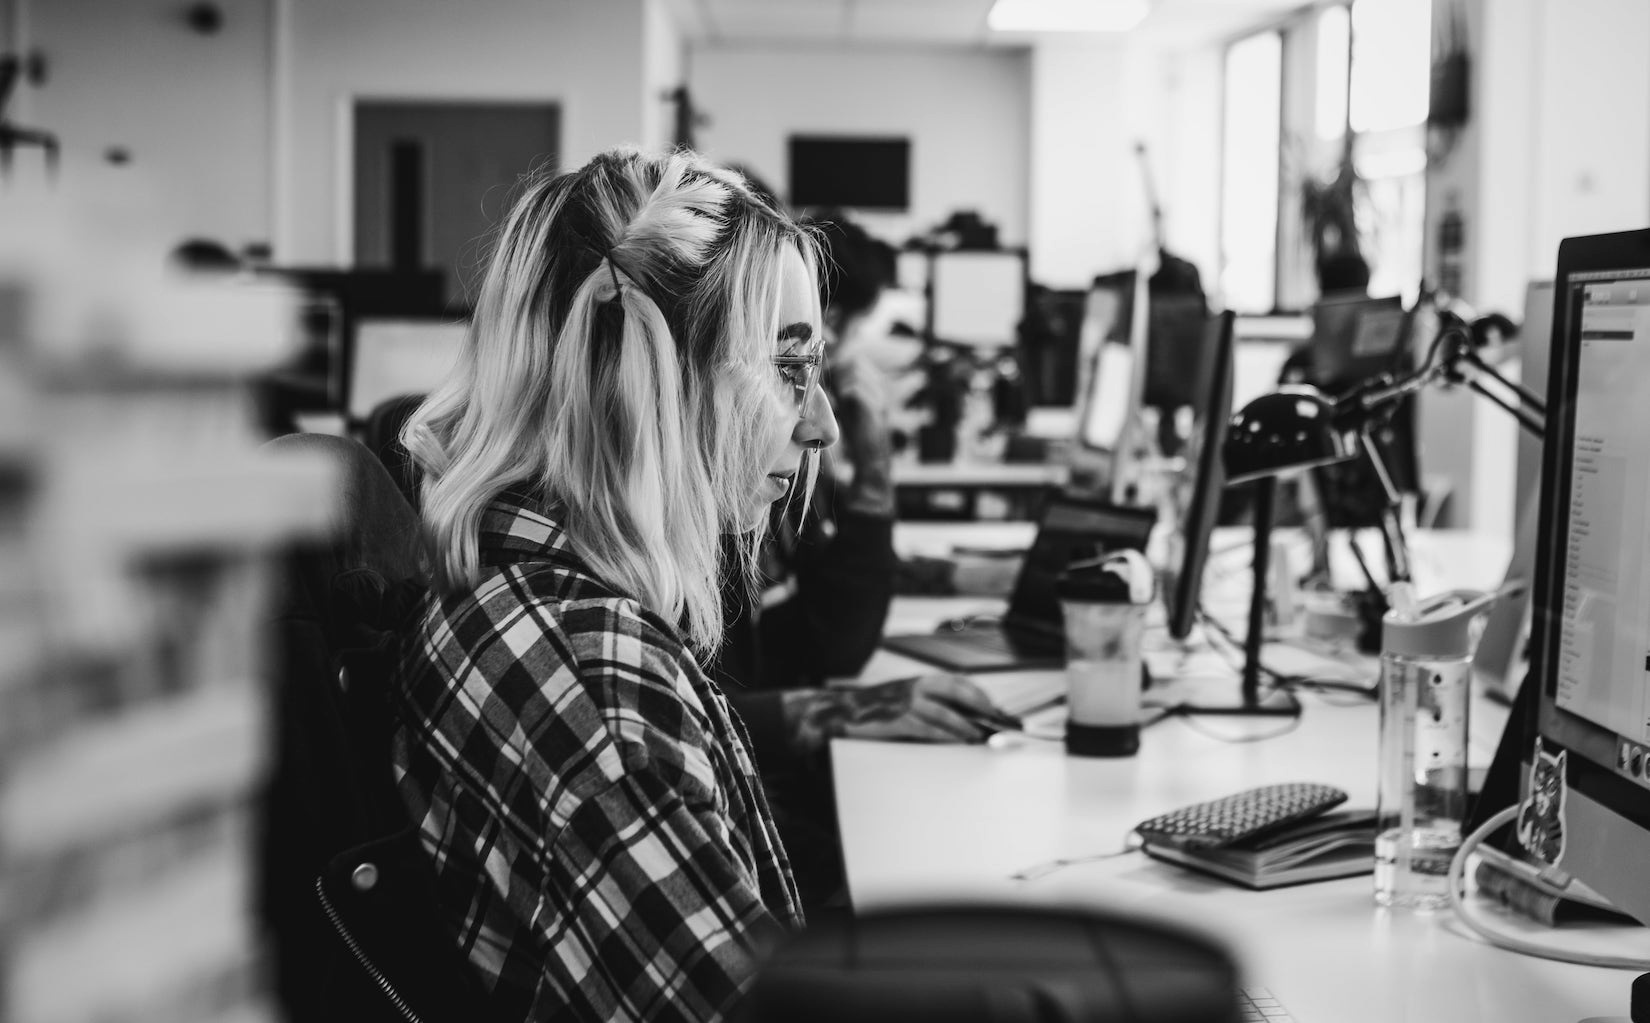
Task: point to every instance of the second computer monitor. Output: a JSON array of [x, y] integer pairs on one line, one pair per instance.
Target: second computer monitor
[[1354, 340], [977, 297], [1205, 477], [1109, 381], [1356, 337]]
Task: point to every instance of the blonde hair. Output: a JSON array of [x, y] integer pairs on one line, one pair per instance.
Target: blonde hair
[[618, 366]]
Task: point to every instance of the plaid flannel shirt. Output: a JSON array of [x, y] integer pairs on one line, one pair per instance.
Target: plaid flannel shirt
[[601, 841]]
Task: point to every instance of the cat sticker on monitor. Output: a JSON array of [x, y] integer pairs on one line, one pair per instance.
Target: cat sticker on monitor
[[1541, 817]]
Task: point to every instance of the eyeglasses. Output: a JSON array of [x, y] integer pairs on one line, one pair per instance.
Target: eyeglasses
[[802, 371]]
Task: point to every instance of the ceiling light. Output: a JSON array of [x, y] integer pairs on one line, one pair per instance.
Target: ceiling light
[[1066, 15]]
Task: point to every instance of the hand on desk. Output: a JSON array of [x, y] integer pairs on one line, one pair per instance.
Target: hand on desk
[[928, 708]]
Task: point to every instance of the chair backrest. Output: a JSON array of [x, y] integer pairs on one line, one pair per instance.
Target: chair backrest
[[341, 871], [381, 433], [996, 964]]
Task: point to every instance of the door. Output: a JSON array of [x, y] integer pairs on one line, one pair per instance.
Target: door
[[433, 178]]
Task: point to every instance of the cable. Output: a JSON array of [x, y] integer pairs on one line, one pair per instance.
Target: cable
[[1187, 716], [1048, 867], [1457, 872], [1234, 645]]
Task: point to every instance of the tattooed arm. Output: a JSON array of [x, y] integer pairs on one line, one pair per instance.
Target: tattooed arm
[[921, 709]]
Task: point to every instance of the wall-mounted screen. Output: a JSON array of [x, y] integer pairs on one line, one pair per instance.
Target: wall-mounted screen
[[860, 173]]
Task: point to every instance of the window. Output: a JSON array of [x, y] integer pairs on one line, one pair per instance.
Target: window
[[1391, 74], [1249, 178], [1358, 69], [1391, 64], [1333, 69]]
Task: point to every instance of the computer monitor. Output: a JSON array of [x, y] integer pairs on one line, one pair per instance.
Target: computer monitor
[[398, 357], [1586, 786], [1205, 477], [977, 297], [1111, 345], [1050, 344], [1177, 366], [1354, 339]]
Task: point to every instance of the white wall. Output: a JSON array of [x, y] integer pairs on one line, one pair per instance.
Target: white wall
[[965, 112], [1087, 203], [192, 110], [1558, 144], [1593, 169], [1092, 101], [586, 56], [1185, 141], [664, 66]]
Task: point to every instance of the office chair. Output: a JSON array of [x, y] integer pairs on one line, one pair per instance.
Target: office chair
[[345, 889], [996, 964], [382, 436]]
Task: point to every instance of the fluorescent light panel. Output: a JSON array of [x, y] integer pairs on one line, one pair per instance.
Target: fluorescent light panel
[[1066, 15]]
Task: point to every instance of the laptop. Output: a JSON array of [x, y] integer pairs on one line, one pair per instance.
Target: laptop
[[1031, 634]]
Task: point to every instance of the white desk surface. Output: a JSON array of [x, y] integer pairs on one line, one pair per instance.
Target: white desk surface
[[978, 474], [954, 822]]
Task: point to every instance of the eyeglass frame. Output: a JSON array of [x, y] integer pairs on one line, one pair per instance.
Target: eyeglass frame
[[815, 363]]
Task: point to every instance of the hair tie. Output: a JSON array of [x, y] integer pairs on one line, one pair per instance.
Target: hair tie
[[612, 271]]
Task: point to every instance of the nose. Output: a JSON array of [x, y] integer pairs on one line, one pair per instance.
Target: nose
[[817, 428]]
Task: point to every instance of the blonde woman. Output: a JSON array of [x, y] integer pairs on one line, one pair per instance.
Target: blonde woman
[[640, 379]]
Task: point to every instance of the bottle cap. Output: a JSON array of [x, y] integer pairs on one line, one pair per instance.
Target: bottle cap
[[1439, 626], [1121, 577]]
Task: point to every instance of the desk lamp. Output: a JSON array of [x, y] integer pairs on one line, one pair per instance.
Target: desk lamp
[[1278, 434], [1297, 428]]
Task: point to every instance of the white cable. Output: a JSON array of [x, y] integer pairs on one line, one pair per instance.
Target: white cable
[[1457, 871]]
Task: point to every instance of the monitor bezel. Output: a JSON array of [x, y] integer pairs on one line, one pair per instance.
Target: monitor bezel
[[1591, 770], [1209, 480]]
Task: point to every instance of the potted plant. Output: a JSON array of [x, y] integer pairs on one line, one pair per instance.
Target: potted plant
[[1329, 215]]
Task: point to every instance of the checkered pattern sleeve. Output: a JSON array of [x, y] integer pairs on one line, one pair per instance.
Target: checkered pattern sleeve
[[679, 924], [601, 843]]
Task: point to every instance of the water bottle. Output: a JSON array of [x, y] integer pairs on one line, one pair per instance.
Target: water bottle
[[1426, 677], [1103, 601]]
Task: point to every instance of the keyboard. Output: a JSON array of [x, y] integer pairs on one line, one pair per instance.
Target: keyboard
[[1257, 1005]]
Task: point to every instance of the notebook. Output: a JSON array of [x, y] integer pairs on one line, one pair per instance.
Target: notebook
[[1031, 633], [1339, 843]]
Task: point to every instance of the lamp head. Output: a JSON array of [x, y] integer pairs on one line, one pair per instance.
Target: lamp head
[[1277, 434]]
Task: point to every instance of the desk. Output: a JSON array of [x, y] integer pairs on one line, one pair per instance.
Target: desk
[[1021, 482], [962, 819]]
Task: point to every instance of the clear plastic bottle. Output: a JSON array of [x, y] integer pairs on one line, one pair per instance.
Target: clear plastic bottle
[[1426, 679]]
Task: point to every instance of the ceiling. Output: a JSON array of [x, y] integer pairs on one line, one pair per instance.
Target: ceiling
[[936, 22]]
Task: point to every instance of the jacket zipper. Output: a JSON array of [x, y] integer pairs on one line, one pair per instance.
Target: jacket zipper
[[361, 957]]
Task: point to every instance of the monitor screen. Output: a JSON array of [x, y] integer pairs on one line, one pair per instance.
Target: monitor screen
[[977, 297], [858, 173], [1106, 362], [1356, 338], [1587, 787], [1177, 365], [1202, 483], [393, 358], [1049, 346]]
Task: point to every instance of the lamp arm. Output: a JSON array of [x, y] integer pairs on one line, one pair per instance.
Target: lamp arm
[[1376, 398], [1534, 422], [1459, 364], [1397, 546], [1531, 410]]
